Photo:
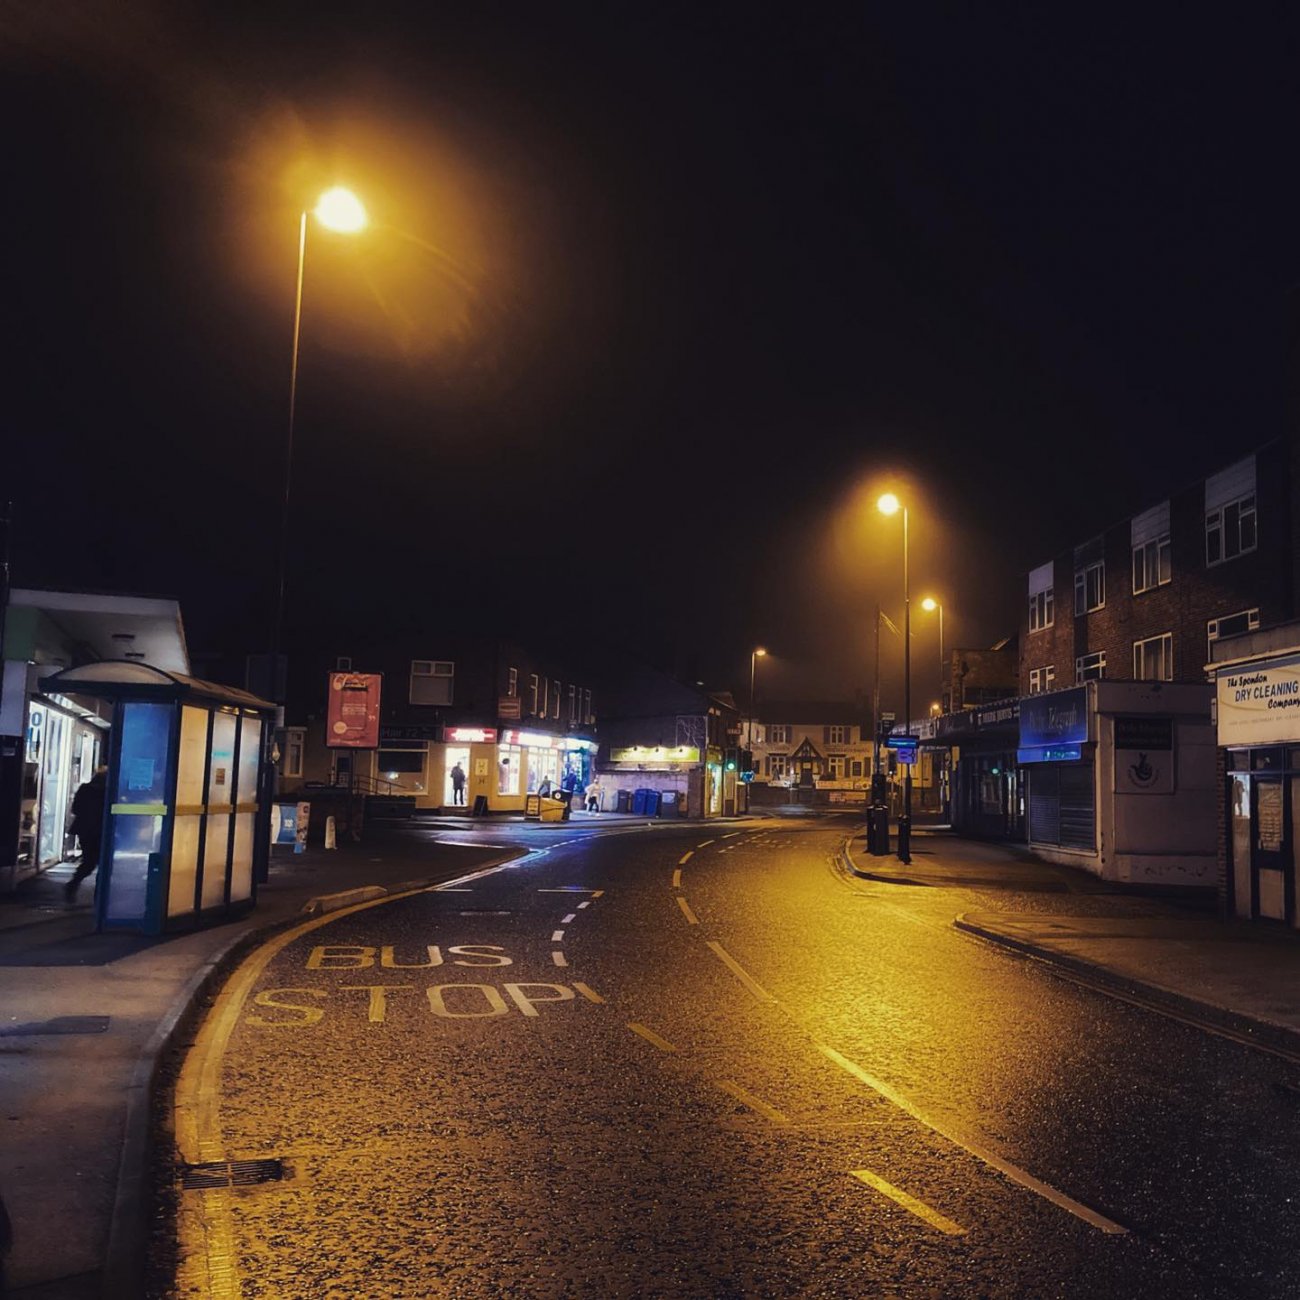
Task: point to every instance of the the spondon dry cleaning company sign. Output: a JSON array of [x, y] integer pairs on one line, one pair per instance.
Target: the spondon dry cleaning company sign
[[1260, 706]]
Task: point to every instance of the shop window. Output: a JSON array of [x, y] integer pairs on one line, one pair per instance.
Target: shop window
[[432, 681], [1089, 668], [295, 741], [508, 768], [1153, 659]]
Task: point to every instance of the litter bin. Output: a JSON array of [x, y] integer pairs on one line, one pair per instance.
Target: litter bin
[[652, 803], [878, 830], [624, 803], [639, 802], [670, 804]]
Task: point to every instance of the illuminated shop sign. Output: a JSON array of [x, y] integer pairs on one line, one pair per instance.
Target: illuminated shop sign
[[1050, 754], [470, 735], [1058, 718], [544, 740], [656, 754]]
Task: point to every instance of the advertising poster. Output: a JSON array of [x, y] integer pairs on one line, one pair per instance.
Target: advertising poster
[[353, 718]]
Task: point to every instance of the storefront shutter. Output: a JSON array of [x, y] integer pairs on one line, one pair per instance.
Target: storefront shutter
[[1078, 807]]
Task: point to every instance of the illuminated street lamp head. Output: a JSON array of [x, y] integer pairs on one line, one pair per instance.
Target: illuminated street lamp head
[[760, 652], [339, 209], [888, 504], [929, 604]]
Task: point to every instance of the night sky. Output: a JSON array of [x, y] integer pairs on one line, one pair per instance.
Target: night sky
[[654, 298]]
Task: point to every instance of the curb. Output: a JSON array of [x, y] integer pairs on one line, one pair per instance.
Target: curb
[[1253, 1031], [846, 858], [124, 1259]]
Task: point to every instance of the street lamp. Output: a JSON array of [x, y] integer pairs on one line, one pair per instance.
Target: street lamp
[[929, 604], [889, 504], [339, 210], [754, 655]]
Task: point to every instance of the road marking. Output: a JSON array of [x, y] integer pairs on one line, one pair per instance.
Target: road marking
[[573, 916], [741, 973], [456, 891], [686, 909], [747, 1098], [651, 1037], [977, 1149], [588, 992], [919, 1208], [686, 857], [559, 959], [586, 904], [703, 844], [677, 878], [569, 889], [558, 937], [596, 893], [732, 836]]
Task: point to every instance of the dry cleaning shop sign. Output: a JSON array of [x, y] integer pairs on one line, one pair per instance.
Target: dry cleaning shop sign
[[1261, 705]]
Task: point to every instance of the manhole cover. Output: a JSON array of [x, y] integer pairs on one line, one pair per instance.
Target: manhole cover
[[231, 1173], [59, 1025]]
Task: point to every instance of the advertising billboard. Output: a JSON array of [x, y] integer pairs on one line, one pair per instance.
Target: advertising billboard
[[353, 717]]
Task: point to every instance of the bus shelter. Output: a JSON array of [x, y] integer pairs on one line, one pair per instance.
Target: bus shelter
[[182, 844]]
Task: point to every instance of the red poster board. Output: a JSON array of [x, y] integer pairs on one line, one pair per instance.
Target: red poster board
[[353, 719]]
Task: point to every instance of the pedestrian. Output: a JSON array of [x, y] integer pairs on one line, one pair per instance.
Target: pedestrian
[[88, 827], [593, 797], [545, 788], [458, 784]]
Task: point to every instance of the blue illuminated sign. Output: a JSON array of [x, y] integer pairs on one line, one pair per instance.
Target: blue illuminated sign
[[904, 747], [1050, 754], [1058, 718]]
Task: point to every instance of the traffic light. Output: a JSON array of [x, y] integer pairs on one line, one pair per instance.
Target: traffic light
[[731, 760], [746, 760]]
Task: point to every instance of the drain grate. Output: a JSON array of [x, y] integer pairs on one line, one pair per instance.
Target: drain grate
[[59, 1025], [231, 1173]]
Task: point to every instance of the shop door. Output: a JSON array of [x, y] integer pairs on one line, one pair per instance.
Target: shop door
[[1270, 849]]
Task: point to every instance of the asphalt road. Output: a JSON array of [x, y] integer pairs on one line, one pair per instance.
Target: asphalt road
[[689, 1063]]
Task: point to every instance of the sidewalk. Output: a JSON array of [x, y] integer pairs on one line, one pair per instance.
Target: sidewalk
[[1172, 953], [85, 1019]]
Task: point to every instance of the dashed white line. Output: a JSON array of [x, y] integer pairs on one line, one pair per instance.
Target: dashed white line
[[558, 937], [703, 844], [586, 904], [573, 916], [559, 958]]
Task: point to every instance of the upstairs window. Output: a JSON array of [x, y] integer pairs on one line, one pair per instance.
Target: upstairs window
[[1153, 659], [1090, 588], [1231, 528], [1152, 552], [778, 734], [1231, 625], [1090, 668], [534, 693], [512, 682], [1042, 679], [432, 681], [1041, 603]]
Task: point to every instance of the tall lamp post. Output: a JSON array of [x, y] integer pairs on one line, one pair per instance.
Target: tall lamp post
[[889, 504], [929, 604], [341, 211], [754, 656]]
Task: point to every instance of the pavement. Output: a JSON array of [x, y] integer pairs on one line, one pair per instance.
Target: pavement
[[1171, 951], [87, 1017]]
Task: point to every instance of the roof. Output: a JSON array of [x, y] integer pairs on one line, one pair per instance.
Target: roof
[[120, 678], [817, 713]]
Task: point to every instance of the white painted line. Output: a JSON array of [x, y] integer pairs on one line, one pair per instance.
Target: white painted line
[[677, 878], [586, 904], [588, 992], [910, 1203], [686, 910], [686, 857], [573, 916], [455, 891], [559, 958], [566, 889], [558, 937], [741, 973], [651, 1037], [703, 844], [978, 1150], [747, 1098], [732, 836]]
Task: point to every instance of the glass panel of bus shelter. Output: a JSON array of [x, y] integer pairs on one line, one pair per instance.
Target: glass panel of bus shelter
[[221, 789], [139, 808], [188, 823], [241, 865], [54, 788]]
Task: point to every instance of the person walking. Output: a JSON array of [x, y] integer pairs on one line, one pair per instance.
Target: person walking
[[458, 784], [88, 827], [592, 796]]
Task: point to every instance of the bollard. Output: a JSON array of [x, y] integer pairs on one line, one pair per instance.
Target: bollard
[[330, 840]]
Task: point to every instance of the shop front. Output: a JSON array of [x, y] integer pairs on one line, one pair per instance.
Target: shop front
[[987, 784], [673, 773], [1258, 729]]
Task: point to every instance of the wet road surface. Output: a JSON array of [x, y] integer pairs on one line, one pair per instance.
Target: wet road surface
[[708, 1063]]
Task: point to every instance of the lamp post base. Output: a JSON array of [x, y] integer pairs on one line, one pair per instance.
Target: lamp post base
[[905, 839]]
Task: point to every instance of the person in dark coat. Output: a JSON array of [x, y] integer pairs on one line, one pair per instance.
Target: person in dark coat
[[88, 826]]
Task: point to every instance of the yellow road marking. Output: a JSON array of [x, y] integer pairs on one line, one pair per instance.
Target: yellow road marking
[[596, 893], [977, 1149], [686, 908], [677, 878], [588, 992], [741, 973], [686, 857], [919, 1208], [651, 1037], [747, 1098]]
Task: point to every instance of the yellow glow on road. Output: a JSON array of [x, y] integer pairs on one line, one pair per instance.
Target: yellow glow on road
[[339, 209]]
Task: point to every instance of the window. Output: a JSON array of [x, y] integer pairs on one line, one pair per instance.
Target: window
[[432, 681], [855, 767], [555, 707], [1042, 679], [1231, 625], [343, 664], [778, 734], [836, 762], [545, 698], [1153, 659], [295, 739], [1090, 668], [837, 735], [1090, 587], [1041, 612], [1230, 525], [587, 716], [532, 693], [1151, 565], [776, 765], [1041, 596], [573, 704], [512, 682]]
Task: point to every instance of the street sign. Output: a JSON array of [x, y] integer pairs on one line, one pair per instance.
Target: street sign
[[904, 747]]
